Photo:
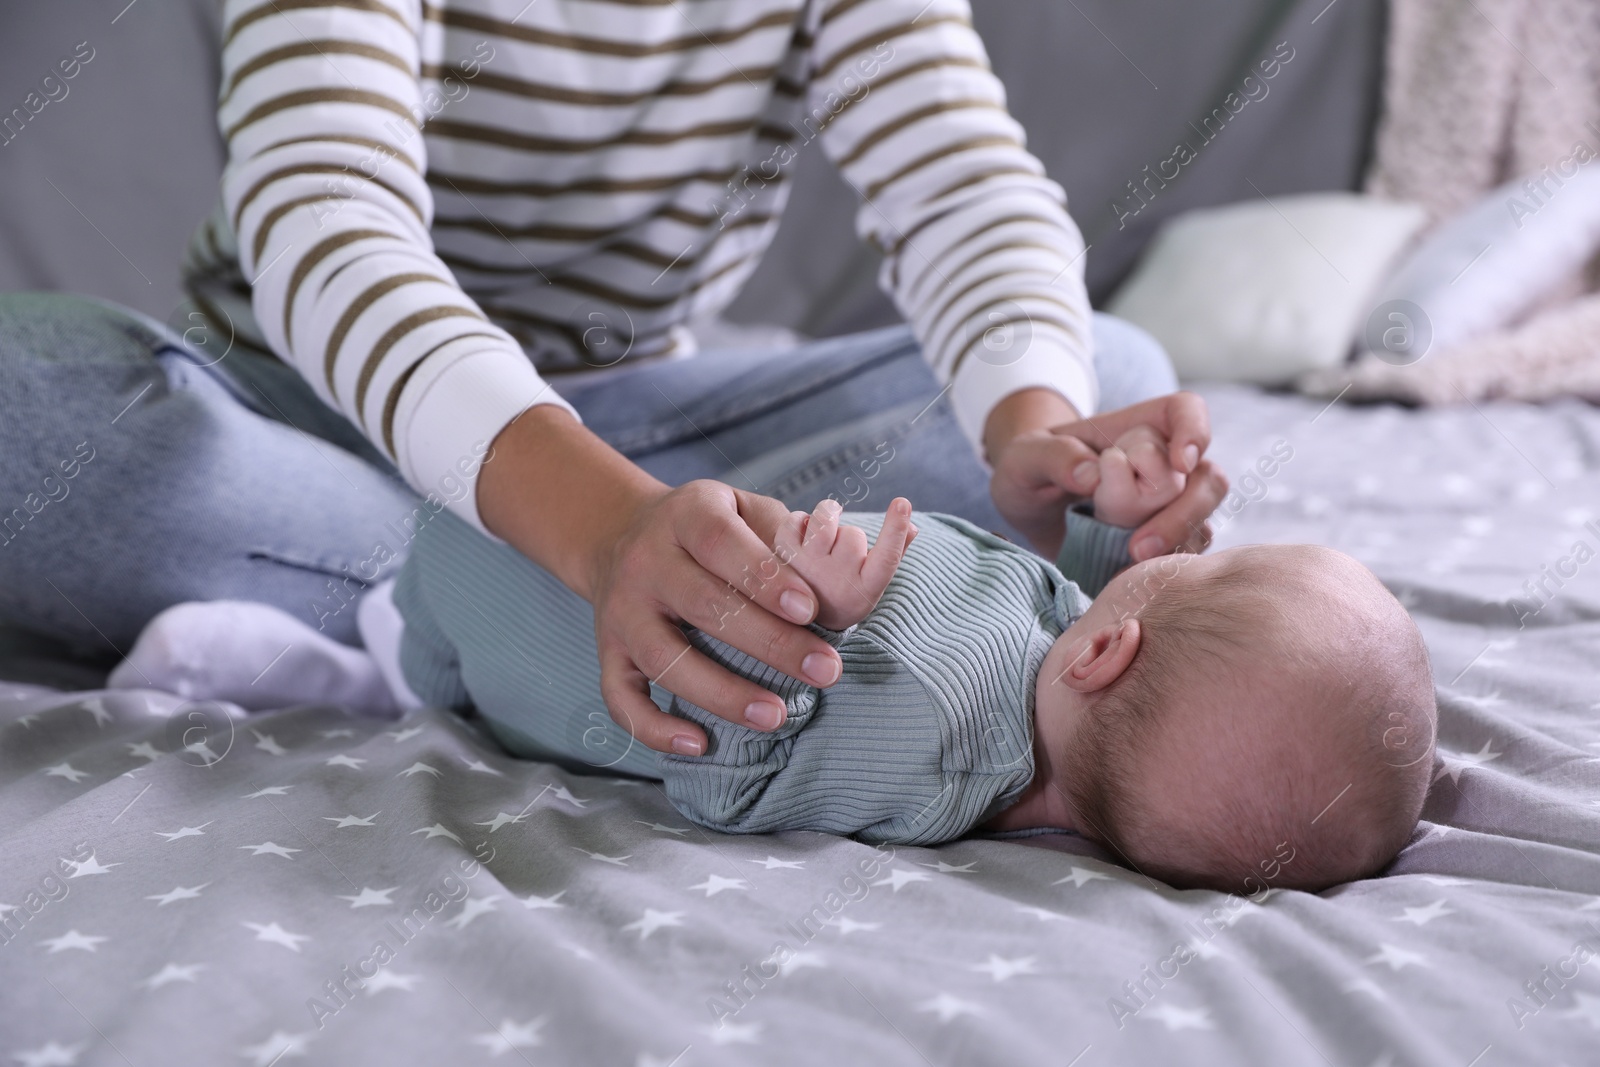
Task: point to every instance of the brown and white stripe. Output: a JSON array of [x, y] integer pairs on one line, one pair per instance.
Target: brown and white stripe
[[429, 201]]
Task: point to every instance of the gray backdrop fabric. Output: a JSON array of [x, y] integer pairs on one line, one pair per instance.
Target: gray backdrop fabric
[[1105, 88], [103, 187], [181, 893], [100, 190]]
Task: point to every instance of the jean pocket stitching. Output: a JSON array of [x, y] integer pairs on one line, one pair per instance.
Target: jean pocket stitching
[[837, 459]]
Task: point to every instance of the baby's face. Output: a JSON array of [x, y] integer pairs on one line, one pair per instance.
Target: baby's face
[[1277, 712]]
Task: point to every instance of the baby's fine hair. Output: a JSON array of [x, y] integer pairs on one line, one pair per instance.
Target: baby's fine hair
[[1224, 631]]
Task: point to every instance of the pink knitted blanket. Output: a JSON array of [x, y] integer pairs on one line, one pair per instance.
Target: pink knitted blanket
[[1479, 92]]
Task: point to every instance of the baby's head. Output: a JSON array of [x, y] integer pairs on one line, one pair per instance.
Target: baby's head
[[1261, 716]]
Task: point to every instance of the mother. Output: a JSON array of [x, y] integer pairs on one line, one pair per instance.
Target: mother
[[423, 203]]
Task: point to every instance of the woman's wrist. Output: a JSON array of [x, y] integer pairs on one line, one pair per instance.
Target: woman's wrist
[[1035, 408], [560, 495]]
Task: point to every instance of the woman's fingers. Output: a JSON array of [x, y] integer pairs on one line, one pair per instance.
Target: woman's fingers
[[658, 650], [1188, 430], [1180, 418], [1059, 461], [708, 605], [1199, 539], [707, 524], [626, 691], [1182, 523], [693, 557]]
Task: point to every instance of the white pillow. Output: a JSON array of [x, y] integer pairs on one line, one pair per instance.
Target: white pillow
[[1263, 291], [1489, 266]]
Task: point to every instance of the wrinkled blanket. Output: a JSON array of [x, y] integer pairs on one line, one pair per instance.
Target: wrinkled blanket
[[182, 887]]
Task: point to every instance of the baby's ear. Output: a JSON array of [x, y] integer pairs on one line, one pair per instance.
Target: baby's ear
[[1101, 656]]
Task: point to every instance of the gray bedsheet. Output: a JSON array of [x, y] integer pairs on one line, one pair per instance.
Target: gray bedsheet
[[179, 895]]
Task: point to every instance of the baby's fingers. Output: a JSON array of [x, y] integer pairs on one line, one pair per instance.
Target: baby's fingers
[[1117, 477], [823, 528], [895, 534], [1149, 460], [791, 536]]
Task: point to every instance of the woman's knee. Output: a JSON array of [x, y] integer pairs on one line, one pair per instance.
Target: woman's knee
[[56, 329], [68, 367], [1130, 364]]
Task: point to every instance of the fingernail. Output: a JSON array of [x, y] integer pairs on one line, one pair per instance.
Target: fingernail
[[1144, 548], [763, 715], [797, 606], [822, 670], [684, 745], [1086, 472], [1191, 456]]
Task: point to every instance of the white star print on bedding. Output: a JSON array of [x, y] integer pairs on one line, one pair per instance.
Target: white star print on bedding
[[231, 913]]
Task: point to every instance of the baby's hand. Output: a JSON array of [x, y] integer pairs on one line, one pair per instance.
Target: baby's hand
[[834, 560], [1136, 481]]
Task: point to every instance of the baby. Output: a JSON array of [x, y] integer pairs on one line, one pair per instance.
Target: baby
[[1209, 719], [1261, 716]]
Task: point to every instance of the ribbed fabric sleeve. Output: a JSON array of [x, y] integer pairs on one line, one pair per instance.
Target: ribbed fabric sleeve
[[423, 202], [428, 661], [1093, 552], [930, 729], [928, 732], [483, 621]]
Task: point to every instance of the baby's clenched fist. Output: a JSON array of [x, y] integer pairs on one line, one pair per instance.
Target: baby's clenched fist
[[1136, 479]]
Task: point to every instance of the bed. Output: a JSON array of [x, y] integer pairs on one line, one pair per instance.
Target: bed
[[182, 887], [304, 885]]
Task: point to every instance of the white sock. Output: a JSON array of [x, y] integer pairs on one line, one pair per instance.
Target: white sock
[[381, 626], [253, 655]]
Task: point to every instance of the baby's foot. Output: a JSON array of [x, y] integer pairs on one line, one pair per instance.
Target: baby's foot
[[252, 655]]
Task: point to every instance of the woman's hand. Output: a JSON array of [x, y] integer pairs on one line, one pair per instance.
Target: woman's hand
[[649, 557], [1045, 457], [692, 555]]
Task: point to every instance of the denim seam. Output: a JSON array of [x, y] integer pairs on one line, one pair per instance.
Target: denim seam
[[325, 566], [833, 461]]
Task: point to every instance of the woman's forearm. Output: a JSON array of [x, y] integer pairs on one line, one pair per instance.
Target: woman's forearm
[[557, 493], [652, 559]]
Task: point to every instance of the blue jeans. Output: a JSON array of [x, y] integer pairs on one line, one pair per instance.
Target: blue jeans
[[859, 418], [194, 477]]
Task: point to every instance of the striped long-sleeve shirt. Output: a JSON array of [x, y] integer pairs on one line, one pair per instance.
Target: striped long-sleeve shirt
[[430, 204]]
